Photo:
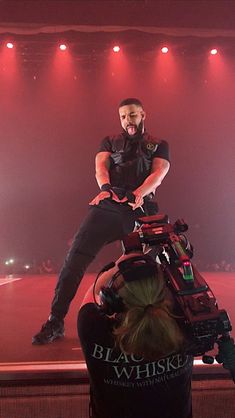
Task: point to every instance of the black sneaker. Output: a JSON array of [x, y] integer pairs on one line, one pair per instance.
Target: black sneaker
[[51, 330]]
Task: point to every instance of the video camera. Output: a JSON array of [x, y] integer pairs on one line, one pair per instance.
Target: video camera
[[204, 323]]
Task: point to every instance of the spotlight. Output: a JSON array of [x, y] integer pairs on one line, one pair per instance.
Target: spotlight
[[63, 47], [164, 49], [27, 267], [116, 48], [214, 51], [10, 45], [10, 261]]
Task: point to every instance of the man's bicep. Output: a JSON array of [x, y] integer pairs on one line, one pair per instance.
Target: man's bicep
[[102, 159]]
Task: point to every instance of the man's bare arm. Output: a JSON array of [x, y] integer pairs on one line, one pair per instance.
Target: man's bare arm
[[102, 164], [159, 170]]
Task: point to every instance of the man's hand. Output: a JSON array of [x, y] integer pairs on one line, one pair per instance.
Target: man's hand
[[138, 203], [105, 195]]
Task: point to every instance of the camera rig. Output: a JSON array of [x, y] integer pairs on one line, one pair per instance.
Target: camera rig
[[204, 323]]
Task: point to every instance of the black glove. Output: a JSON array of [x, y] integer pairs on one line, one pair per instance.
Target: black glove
[[130, 196]]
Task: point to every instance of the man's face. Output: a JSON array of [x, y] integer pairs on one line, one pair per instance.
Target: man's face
[[132, 117]]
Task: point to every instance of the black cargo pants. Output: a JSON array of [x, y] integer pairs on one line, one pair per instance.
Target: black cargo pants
[[107, 222]]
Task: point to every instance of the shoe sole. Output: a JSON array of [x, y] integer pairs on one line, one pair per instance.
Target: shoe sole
[[35, 342]]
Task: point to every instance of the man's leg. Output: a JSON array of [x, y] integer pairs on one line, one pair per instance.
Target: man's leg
[[103, 224], [99, 228]]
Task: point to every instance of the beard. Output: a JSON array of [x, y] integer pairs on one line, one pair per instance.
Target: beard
[[138, 133]]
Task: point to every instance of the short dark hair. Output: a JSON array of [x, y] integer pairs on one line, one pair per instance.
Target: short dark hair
[[130, 100]]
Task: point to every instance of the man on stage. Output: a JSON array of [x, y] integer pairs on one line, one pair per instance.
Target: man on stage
[[129, 168]]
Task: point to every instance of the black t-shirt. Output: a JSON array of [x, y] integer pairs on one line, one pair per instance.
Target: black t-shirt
[[125, 386], [131, 158]]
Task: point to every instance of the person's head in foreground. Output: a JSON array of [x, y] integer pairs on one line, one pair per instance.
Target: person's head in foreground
[[133, 346], [145, 325]]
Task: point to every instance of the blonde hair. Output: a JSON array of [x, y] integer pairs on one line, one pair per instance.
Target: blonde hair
[[148, 327]]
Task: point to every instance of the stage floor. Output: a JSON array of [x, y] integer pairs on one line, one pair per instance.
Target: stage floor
[[24, 306]]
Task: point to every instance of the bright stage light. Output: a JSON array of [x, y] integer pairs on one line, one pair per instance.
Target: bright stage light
[[27, 267], [10, 261], [165, 50], [63, 47], [214, 51], [10, 45], [116, 48]]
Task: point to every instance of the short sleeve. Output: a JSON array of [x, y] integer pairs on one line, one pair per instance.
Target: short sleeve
[[162, 151], [106, 145]]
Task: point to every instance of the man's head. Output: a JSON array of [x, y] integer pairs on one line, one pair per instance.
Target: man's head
[[132, 116]]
